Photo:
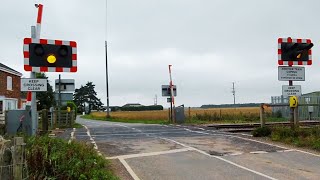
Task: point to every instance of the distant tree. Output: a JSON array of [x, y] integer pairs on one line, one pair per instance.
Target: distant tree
[[45, 99], [87, 94]]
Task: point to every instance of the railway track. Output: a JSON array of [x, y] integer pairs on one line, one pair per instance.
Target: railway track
[[247, 127]]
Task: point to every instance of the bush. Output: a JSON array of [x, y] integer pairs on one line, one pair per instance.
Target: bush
[[261, 131], [51, 158]]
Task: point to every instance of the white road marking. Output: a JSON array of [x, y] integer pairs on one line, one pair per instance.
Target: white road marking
[[150, 154], [220, 158], [258, 152], [201, 128], [91, 139], [131, 172], [234, 154], [72, 135]]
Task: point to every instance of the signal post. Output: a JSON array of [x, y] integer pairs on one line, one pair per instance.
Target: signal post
[[293, 52], [44, 55]]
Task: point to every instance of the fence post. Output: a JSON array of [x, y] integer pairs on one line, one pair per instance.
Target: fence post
[[296, 116], [262, 118], [45, 120], [18, 158]]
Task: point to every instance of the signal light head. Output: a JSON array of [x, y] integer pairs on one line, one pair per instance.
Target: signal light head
[[38, 50], [63, 51], [51, 59]]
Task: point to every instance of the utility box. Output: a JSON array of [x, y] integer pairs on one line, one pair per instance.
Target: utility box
[[19, 121], [179, 112]]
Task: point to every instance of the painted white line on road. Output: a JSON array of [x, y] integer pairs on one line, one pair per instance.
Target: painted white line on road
[[150, 153], [72, 135], [258, 152], [201, 128], [131, 172], [220, 158], [91, 139]]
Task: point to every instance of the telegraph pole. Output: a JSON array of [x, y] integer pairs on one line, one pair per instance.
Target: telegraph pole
[[234, 94], [107, 75], [107, 81]]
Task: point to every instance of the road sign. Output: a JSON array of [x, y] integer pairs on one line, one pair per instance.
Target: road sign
[[294, 73], [294, 51], [293, 101], [44, 55], [34, 85], [167, 92], [291, 90], [169, 100]]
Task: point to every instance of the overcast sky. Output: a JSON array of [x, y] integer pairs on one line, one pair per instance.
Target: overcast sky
[[210, 44]]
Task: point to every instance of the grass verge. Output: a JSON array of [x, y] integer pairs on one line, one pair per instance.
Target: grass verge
[[53, 158], [144, 121], [300, 137]]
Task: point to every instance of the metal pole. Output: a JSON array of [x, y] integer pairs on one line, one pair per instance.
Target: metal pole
[[33, 94], [172, 96], [291, 110], [35, 34], [234, 95], [107, 81], [59, 107]]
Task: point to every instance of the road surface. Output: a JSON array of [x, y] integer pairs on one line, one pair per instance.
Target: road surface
[[185, 152]]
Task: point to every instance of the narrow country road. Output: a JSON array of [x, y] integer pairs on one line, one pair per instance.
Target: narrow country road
[[184, 152]]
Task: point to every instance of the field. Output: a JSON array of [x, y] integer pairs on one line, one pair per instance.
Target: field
[[194, 115]]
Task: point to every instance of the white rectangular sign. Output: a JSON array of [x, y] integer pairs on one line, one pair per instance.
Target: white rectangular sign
[[33, 85], [291, 90], [286, 73]]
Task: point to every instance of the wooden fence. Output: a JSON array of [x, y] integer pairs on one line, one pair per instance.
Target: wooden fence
[[13, 164], [51, 120]]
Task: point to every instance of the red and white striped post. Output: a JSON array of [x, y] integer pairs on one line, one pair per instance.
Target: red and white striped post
[[32, 95], [172, 97]]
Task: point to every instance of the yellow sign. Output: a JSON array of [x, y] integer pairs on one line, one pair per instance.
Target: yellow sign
[[68, 109], [293, 101]]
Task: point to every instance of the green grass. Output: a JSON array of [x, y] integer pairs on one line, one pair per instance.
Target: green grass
[[301, 137], [144, 121], [54, 158], [77, 125]]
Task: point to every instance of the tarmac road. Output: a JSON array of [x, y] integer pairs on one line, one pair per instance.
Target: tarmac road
[[186, 152]]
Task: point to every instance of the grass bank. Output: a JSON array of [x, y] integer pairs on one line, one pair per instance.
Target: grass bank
[[300, 137], [53, 158]]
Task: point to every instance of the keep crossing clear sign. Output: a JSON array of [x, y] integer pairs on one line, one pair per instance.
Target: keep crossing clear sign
[[291, 90], [33, 85]]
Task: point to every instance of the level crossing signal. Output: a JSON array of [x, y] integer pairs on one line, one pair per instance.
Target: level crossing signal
[[294, 51], [43, 55]]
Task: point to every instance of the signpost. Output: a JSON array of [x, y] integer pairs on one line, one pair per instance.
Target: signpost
[[294, 90], [293, 52], [292, 73], [166, 91], [34, 85], [44, 55]]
